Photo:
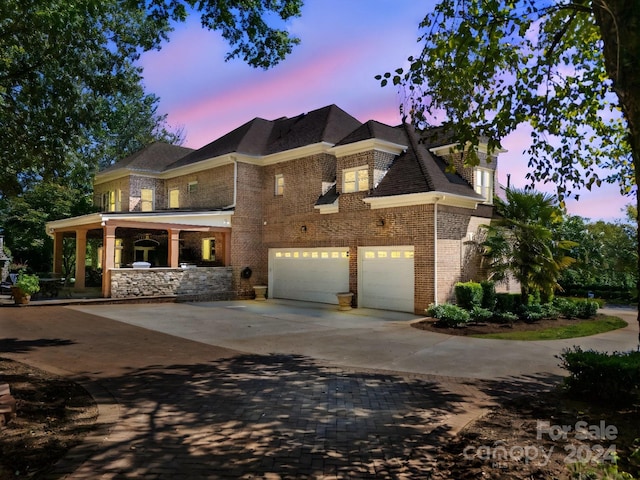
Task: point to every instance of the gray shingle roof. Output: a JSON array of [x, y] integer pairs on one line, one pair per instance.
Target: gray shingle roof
[[263, 137], [375, 129], [153, 158], [417, 170]]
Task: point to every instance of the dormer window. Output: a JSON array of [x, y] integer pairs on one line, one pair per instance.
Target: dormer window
[[355, 179], [483, 183]]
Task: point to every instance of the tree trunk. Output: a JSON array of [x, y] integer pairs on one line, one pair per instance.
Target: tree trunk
[[619, 23]]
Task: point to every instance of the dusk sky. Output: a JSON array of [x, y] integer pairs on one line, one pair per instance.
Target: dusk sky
[[344, 45]]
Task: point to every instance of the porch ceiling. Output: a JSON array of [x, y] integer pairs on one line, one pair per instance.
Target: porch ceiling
[[175, 220]]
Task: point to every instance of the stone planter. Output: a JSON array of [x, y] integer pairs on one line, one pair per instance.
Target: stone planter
[[344, 301], [261, 292], [19, 297]]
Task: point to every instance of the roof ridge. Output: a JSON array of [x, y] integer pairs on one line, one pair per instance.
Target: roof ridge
[[331, 110], [417, 152]]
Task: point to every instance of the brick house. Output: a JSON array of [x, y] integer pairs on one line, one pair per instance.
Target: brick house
[[310, 206]]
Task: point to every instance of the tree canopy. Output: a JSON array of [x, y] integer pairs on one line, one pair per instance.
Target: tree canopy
[[68, 73], [569, 69]]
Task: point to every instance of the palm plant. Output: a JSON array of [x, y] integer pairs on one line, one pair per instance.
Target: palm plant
[[520, 243]]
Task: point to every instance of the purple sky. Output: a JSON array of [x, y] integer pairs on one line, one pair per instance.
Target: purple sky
[[344, 45]]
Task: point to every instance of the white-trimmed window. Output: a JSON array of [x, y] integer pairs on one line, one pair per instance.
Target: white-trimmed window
[[192, 187], [355, 179], [174, 198], [483, 183], [209, 249], [279, 184], [147, 199]]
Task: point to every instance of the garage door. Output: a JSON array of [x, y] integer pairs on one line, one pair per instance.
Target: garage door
[[310, 274], [386, 278]]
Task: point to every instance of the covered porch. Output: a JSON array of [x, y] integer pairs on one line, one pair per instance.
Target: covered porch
[[104, 243]]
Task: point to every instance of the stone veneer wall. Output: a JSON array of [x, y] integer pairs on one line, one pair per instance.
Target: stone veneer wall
[[203, 283]]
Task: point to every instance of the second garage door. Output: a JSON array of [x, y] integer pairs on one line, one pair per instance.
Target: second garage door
[[386, 278], [309, 274]]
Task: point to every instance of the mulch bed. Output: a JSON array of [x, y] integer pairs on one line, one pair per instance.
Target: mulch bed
[[53, 415]]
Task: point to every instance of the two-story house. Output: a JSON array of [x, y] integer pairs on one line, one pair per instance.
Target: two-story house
[[310, 206]]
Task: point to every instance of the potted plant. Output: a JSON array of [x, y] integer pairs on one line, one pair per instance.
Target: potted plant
[[25, 286]]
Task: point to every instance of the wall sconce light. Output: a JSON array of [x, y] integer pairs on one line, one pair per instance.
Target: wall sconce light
[[380, 222], [303, 229]]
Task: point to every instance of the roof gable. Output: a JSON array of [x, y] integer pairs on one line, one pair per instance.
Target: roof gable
[[374, 129], [418, 170]]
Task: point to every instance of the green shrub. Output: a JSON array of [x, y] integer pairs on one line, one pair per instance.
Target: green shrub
[[488, 294], [550, 311], [531, 313], [449, 315], [504, 317], [480, 315], [468, 295], [507, 302], [586, 308], [602, 377], [566, 306]]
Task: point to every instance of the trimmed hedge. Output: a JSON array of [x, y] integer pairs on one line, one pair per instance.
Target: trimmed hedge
[[507, 302], [488, 294], [612, 378], [468, 295]]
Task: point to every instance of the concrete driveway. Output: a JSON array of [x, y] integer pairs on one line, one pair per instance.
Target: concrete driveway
[[362, 338]]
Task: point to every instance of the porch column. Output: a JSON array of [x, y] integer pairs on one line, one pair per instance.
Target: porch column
[[108, 257], [174, 247], [58, 238], [227, 248], [81, 258]]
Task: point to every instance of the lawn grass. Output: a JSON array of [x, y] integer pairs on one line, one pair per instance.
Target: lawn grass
[[582, 328]]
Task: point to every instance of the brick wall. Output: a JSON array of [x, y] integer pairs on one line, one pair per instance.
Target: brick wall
[[214, 188], [138, 183], [122, 184], [246, 230], [357, 225]]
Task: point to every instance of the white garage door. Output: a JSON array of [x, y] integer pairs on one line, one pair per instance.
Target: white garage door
[[386, 278], [309, 274]]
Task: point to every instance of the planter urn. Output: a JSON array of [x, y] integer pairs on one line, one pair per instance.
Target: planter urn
[[261, 292], [19, 297], [344, 301]]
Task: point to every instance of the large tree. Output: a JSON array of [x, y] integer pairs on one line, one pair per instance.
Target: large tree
[[569, 69], [521, 243], [605, 254], [64, 64]]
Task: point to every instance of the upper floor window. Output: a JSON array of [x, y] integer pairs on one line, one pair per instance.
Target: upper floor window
[[355, 179], [192, 187], [174, 198], [112, 201], [147, 199], [483, 183], [279, 184]]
